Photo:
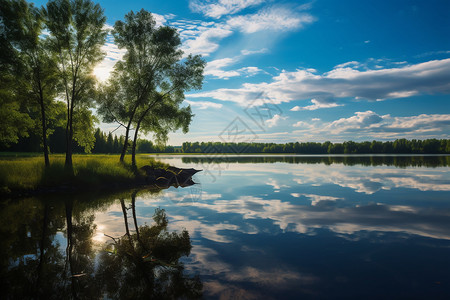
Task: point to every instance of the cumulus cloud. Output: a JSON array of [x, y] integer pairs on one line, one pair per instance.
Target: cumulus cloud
[[216, 9], [274, 120], [271, 18], [365, 119], [302, 124], [205, 40], [430, 77], [369, 125]]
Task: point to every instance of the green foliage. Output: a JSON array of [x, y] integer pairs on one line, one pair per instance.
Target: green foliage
[[84, 122], [147, 87], [13, 122], [76, 37], [14, 119]]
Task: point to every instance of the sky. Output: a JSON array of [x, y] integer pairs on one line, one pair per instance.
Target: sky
[[321, 70]]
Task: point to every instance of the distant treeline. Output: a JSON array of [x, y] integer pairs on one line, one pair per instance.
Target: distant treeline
[[399, 146], [109, 143], [104, 143]]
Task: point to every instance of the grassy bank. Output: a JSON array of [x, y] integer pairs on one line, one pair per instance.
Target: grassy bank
[[20, 174]]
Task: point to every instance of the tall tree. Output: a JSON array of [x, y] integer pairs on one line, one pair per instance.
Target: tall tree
[[77, 35], [38, 81], [14, 120], [152, 72]]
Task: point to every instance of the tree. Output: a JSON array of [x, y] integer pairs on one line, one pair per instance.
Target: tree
[[77, 34], [38, 81], [151, 78], [110, 143], [14, 120]]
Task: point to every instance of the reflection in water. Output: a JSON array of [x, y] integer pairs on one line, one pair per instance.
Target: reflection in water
[[279, 230], [48, 252], [347, 229], [31, 261], [145, 264], [367, 160]]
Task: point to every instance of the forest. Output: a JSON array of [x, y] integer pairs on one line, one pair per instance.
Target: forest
[[399, 146]]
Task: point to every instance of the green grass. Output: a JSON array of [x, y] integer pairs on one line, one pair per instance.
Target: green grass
[[25, 173]]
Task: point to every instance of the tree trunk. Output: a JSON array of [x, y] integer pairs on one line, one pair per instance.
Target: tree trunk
[[69, 137], [69, 132], [125, 143], [133, 150], [68, 203], [44, 135], [42, 248], [127, 230], [44, 127], [133, 208]]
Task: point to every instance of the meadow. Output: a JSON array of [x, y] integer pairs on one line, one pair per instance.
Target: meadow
[[27, 172]]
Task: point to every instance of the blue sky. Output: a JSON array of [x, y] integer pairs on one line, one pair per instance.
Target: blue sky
[[283, 71]]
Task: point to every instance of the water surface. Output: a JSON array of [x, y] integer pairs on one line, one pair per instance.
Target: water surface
[[275, 227]]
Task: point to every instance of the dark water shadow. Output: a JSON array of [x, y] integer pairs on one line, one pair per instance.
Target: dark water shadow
[[48, 252]]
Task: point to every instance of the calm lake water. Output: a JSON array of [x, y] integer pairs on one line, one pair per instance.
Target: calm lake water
[[264, 227]]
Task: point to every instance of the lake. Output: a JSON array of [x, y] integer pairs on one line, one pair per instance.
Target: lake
[[253, 227]]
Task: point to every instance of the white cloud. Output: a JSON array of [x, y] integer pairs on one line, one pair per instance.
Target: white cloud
[[271, 19], [360, 120], [107, 27], [251, 71], [215, 68], [315, 105], [204, 104], [370, 125], [430, 77], [274, 120], [249, 52], [302, 124], [205, 40], [216, 9], [160, 19]]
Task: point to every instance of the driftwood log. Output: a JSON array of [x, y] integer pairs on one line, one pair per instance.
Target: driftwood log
[[171, 176]]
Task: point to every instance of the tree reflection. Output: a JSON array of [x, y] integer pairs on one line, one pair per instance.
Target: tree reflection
[[79, 260], [146, 264], [48, 253], [30, 255], [348, 160]]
